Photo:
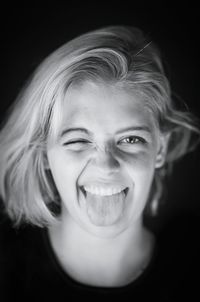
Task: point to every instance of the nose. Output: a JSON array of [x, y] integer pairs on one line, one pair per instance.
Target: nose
[[106, 162]]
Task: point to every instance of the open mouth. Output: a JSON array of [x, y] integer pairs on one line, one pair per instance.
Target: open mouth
[[103, 192], [104, 205]]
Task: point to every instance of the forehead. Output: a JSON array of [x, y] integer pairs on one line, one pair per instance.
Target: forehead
[[108, 106]]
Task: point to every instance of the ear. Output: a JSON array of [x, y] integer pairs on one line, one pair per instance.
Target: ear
[[162, 150]]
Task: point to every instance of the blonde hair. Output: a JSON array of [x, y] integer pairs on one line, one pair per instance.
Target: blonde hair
[[115, 54]]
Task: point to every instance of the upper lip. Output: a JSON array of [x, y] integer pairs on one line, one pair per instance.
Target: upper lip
[[105, 185]]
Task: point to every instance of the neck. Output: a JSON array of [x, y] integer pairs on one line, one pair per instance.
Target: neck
[[101, 261]]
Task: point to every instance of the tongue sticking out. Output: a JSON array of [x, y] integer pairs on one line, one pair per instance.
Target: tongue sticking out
[[104, 210]]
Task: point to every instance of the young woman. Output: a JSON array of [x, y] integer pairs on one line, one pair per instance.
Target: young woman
[[84, 152]]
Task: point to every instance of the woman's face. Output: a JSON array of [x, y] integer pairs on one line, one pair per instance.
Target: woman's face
[[104, 160]]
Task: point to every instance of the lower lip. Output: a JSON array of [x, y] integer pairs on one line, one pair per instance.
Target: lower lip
[[104, 210]]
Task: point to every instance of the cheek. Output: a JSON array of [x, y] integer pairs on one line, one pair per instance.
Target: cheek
[[141, 172], [140, 167], [141, 161], [65, 168]]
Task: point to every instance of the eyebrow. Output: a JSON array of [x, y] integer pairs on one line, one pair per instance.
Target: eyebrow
[[84, 130], [135, 128]]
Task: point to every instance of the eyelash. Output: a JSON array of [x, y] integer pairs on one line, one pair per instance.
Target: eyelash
[[76, 141], [138, 140]]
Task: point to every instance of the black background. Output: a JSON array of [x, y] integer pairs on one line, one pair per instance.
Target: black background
[[29, 32]]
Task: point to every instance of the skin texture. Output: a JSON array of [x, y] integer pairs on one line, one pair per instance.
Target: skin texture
[[108, 155], [105, 156]]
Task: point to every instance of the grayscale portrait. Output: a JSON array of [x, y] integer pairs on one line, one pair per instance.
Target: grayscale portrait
[[88, 150]]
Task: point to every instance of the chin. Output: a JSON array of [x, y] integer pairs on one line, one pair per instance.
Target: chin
[[109, 231]]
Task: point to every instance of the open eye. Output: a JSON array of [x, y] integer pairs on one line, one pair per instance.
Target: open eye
[[132, 140]]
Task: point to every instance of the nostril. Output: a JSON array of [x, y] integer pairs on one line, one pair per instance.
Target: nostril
[[108, 162], [113, 162]]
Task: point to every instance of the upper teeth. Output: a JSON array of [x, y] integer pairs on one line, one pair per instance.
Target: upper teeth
[[103, 191]]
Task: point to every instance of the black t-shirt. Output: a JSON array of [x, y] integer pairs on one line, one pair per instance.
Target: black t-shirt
[[30, 271]]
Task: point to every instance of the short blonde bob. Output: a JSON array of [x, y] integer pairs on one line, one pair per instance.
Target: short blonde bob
[[116, 55]]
